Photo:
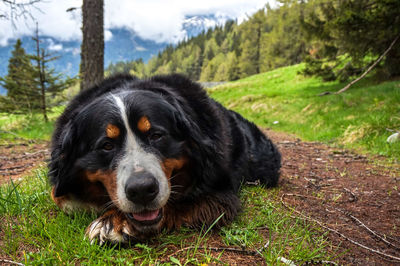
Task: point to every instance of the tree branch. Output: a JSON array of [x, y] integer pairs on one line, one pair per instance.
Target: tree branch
[[371, 67]]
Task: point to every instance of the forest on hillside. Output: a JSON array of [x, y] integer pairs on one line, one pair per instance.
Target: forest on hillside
[[337, 40]]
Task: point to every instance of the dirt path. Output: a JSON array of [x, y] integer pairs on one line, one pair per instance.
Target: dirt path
[[344, 192], [17, 159]]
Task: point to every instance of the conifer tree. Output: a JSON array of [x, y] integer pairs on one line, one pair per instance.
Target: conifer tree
[[18, 82], [250, 45], [282, 41], [30, 87], [47, 83], [352, 31]]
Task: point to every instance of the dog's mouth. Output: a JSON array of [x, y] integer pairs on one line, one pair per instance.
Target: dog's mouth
[[146, 217]]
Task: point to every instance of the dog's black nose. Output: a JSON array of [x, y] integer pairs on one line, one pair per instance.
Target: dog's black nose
[[141, 188]]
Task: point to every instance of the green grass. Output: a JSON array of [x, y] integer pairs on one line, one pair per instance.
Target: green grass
[[358, 118], [28, 126], [34, 231]]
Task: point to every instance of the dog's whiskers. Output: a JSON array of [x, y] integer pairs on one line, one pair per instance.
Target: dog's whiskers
[[175, 175], [107, 206]]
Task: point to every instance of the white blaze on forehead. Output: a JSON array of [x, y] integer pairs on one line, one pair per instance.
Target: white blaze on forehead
[[136, 159]]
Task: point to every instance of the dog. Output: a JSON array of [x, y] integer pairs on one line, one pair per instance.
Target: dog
[[154, 154]]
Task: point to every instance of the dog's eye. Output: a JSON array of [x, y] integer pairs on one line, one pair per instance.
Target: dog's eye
[[155, 136], [108, 146]]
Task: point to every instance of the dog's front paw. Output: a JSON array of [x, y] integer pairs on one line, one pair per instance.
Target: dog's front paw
[[111, 227]]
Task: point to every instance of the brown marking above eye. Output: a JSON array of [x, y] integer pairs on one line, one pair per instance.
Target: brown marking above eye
[[144, 124], [112, 131]]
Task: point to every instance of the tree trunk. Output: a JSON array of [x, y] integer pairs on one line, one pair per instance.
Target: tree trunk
[[92, 50], [40, 69], [43, 87]]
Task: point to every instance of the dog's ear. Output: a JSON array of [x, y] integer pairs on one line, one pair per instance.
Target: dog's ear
[[175, 81], [61, 166], [201, 146], [209, 170]]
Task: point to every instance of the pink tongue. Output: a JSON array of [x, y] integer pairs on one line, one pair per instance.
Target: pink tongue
[[146, 216]]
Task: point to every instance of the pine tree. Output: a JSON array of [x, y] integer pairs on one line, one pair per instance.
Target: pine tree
[[351, 31], [19, 82], [250, 45], [248, 62], [30, 88], [282, 42], [47, 82]]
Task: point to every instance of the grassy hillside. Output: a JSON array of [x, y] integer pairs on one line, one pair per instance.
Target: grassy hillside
[[286, 101]]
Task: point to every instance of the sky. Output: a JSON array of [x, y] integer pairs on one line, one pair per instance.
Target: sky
[[158, 20]]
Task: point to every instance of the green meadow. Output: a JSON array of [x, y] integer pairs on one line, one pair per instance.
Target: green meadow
[[284, 100], [34, 231]]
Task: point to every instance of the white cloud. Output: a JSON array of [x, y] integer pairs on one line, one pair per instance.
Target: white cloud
[[52, 46], [107, 35], [52, 18], [158, 20], [74, 51], [140, 48]]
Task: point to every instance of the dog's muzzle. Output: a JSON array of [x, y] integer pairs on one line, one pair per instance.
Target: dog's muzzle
[[141, 189]]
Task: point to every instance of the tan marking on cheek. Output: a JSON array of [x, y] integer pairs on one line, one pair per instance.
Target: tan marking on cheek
[[107, 178], [112, 131], [144, 124], [169, 165]]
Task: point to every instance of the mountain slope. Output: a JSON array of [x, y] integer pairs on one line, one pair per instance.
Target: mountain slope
[[124, 45]]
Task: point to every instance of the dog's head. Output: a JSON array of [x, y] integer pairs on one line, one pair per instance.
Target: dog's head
[[136, 143]]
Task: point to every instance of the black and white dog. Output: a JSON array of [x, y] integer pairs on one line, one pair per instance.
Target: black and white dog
[[153, 154]]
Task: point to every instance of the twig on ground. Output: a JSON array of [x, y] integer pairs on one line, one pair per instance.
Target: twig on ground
[[264, 247], [286, 261], [367, 228], [393, 130], [313, 262], [26, 155], [16, 136], [36, 152], [9, 145], [15, 167], [352, 217], [304, 217], [217, 249], [11, 262], [354, 197]]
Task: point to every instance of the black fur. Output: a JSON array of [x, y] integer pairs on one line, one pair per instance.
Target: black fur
[[223, 148]]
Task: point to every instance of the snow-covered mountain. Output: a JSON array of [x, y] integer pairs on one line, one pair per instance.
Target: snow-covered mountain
[[194, 25], [124, 45]]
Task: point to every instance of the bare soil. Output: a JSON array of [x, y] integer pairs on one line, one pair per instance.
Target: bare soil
[[344, 191], [357, 197], [18, 159]]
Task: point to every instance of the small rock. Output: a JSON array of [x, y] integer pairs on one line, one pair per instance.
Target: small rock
[[393, 138]]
